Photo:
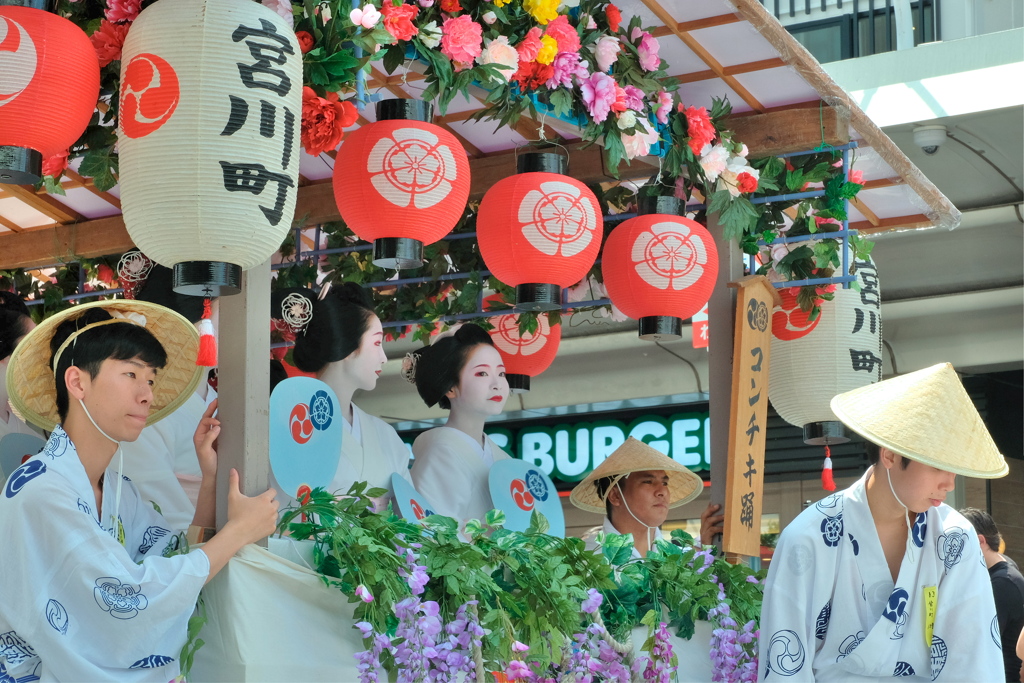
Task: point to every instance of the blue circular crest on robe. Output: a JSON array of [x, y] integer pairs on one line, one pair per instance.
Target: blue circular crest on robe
[[785, 654], [14, 448], [896, 611], [57, 617], [938, 654], [410, 503], [305, 439], [920, 529], [950, 546], [23, 475], [513, 484]]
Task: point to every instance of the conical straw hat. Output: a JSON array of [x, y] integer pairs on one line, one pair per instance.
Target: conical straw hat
[[636, 456], [926, 416], [31, 385]]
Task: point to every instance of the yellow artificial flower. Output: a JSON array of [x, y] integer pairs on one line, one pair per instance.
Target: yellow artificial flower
[[500, 3], [542, 10], [548, 50]]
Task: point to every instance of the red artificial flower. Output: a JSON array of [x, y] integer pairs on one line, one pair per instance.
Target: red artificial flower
[[108, 41], [53, 166], [700, 128], [105, 274], [450, 6], [532, 75], [306, 41], [614, 17], [856, 177], [564, 34], [619, 105], [789, 166], [746, 183], [323, 120], [398, 20]]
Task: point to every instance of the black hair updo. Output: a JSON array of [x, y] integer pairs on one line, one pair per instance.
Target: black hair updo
[[439, 365], [13, 326], [158, 288], [337, 326], [9, 301]]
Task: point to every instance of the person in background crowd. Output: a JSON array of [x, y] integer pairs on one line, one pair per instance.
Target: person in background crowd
[[15, 323], [462, 372], [883, 579], [93, 585], [635, 487], [340, 338], [1007, 589], [162, 462]]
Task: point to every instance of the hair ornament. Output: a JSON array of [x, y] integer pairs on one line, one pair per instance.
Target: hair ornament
[[324, 289], [132, 271], [296, 311], [408, 371]]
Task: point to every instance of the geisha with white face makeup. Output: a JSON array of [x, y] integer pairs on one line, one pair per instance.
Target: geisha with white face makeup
[[463, 373]]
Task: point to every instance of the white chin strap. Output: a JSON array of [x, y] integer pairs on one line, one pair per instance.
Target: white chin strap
[[910, 527], [120, 467], [650, 529]]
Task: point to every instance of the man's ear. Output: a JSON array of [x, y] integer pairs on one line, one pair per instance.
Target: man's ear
[[886, 458], [984, 543], [615, 496], [76, 380]]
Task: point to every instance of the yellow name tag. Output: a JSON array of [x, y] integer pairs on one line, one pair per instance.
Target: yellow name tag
[[931, 602]]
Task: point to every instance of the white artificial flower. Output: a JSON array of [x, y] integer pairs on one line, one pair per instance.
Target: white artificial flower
[[367, 17], [489, 18], [626, 120], [430, 35]]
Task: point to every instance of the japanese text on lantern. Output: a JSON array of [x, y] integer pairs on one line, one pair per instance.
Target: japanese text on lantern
[[866, 355], [264, 49], [748, 415]]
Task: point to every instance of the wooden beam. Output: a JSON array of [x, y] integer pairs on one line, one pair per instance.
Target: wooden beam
[[472, 150], [704, 55], [746, 68], [906, 222], [865, 211], [796, 130], [708, 22], [45, 204], [882, 182], [10, 225], [63, 243], [87, 183]]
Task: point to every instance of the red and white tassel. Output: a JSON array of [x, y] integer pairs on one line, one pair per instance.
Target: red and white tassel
[[207, 355], [827, 482]]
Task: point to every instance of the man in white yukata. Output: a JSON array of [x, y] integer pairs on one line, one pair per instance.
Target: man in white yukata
[[90, 587], [883, 579], [635, 487]]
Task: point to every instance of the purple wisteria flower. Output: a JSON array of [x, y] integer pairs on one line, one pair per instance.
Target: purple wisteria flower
[[592, 602]]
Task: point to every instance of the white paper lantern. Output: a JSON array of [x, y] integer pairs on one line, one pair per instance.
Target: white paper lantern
[[812, 361], [210, 109]]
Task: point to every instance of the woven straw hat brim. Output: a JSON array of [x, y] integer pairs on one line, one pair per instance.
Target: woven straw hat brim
[[926, 416], [636, 456], [30, 381]]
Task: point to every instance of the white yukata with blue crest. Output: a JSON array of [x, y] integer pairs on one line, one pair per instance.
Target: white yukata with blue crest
[[832, 612], [76, 604]]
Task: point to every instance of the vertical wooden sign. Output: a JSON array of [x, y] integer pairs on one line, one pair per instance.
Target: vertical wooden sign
[[744, 482]]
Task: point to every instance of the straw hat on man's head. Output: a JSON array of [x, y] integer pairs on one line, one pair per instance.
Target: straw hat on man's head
[[32, 387], [635, 456], [926, 416]]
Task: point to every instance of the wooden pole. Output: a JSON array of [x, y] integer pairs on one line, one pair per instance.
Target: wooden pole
[[244, 388], [721, 308]]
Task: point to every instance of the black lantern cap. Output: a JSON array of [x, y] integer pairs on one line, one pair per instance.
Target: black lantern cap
[[408, 110], [20, 166], [660, 328], [671, 206], [828, 433], [207, 278], [538, 296], [518, 384], [397, 253], [542, 162]]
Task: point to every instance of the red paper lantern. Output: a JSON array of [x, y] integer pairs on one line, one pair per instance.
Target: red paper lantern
[[527, 355], [401, 182], [660, 268], [49, 84], [539, 231]]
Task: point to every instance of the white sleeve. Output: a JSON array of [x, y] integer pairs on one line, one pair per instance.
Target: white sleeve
[[147, 532], [438, 473], [81, 601], [787, 640]]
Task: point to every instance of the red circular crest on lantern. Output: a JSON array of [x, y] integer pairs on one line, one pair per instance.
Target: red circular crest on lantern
[[301, 424], [521, 495], [539, 228], [42, 54], [659, 264], [149, 95], [789, 321], [401, 178], [524, 354]]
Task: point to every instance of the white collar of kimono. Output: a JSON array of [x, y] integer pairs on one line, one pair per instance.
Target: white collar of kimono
[[906, 511], [120, 466]]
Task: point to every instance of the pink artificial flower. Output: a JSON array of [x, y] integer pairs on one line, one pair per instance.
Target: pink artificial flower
[[283, 9], [519, 647], [498, 51], [426, 3], [639, 144], [606, 52], [648, 51], [564, 34], [517, 671], [461, 40], [530, 45], [108, 41], [819, 222], [598, 95], [856, 177], [122, 10], [713, 161], [634, 98], [363, 593], [664, 106], [565, 66], [54, 165]]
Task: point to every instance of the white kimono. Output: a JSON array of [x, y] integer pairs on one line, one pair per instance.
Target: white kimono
[[371, 451], [78, 605], [832, 612], [162, 462], [591, 537], [450, 470]]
